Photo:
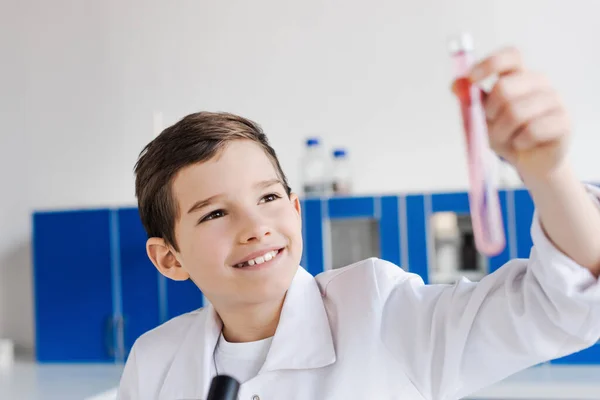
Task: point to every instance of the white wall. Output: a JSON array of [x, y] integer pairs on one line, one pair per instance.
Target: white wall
[[81, 79]]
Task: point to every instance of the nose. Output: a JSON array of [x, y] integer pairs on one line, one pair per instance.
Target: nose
[[253, 229]]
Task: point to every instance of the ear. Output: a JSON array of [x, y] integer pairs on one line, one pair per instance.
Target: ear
[[163, 258], [295, 200]]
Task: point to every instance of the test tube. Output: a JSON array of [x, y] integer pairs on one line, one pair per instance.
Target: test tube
[[484, 202]]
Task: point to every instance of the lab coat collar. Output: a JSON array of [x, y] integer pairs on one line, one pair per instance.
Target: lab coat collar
[[303, 340]]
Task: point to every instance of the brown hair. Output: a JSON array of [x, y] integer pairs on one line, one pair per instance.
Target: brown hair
[[196, 138]]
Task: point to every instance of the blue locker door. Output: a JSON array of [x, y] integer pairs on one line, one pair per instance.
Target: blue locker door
[[390, 231], [418, 262], [72, 286], [139, 279], [589, 356], [499, 260], [312, 233], [524, 209], [182, 297]]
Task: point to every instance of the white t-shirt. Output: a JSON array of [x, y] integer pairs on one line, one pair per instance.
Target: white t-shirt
[[241, 361]]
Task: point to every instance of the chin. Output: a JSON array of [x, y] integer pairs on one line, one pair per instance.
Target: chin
[[277, 284]]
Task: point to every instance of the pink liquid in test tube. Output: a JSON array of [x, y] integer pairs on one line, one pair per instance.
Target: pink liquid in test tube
[[484, 201]]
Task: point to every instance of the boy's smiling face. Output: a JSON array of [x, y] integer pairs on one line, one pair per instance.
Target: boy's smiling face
[[238, 232]]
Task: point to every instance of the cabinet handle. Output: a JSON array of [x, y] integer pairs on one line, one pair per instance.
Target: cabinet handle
[[120, 351], [109, 341]]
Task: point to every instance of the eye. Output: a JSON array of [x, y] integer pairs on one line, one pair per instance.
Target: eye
[[213, 215], [270, 197]]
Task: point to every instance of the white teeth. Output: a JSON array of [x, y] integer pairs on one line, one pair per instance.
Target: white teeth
[[259, 260]]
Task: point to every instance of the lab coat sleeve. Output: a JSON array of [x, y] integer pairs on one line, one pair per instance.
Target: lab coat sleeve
[[453, 340], [129, 385]]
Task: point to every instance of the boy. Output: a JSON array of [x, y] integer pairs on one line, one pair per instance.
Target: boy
[[218, 210]]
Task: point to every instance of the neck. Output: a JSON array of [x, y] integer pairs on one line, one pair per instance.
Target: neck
[[250, 323]]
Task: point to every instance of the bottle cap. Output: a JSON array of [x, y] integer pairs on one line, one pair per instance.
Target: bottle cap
[[313, 141], [337, 153]]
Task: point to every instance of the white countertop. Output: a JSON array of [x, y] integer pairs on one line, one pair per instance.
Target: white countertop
[[26, 380], [31, 381], [548, 382]]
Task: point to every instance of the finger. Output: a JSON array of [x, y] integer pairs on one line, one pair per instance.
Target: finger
[[517, 114], [513, 87], [541, 131], [503, 62]]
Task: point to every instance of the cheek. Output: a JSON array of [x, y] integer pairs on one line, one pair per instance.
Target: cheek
[[205, 249], [291, 224]]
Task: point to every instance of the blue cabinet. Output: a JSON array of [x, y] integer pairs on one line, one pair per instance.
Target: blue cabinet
[[95, 289], [73, 286]]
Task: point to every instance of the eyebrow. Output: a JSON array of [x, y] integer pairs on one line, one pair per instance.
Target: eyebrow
[[267, 183], [206, 202]]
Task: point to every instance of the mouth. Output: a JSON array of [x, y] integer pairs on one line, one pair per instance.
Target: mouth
[[266, 258]]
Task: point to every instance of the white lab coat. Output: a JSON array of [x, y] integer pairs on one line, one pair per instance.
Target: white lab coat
[[373, 331]]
